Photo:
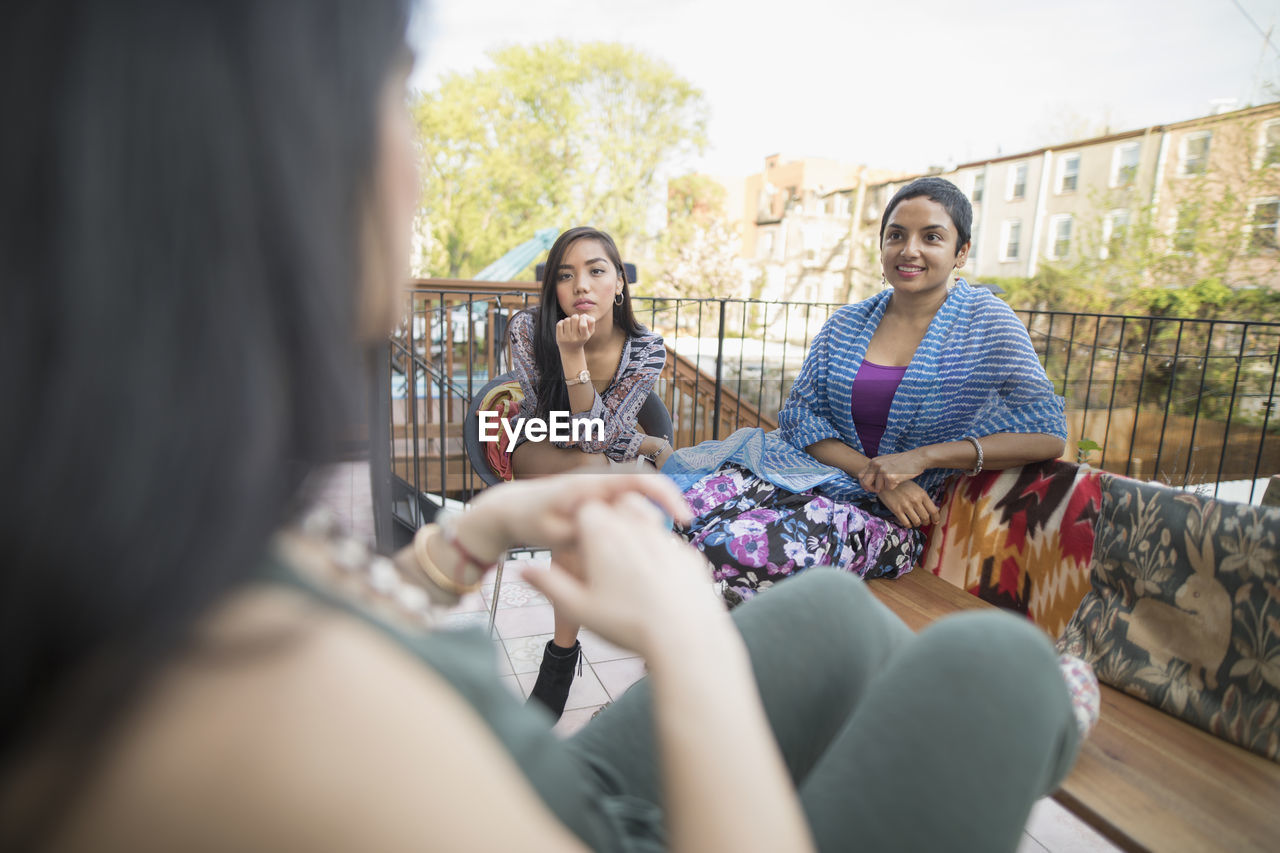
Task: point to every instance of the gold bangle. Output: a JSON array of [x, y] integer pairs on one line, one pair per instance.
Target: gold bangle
[[429, 568]]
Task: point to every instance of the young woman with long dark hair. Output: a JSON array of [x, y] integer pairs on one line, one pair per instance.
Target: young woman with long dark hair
[[206, 214], [581, 355]]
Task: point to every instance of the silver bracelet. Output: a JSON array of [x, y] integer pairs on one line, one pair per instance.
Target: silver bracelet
[[977, 445], [653, 457]]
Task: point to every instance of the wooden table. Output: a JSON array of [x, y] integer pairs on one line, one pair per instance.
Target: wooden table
[[1144, 779]]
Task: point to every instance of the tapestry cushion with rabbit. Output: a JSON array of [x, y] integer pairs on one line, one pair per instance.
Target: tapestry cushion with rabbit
[[1184, 609]]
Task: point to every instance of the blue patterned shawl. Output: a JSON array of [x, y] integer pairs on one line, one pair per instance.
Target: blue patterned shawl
[[975, 373]]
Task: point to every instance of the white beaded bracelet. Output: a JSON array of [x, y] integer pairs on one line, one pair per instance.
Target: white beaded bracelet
[[977, 469]]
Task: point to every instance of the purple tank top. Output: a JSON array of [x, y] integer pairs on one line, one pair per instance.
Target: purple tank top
[[873, 390]]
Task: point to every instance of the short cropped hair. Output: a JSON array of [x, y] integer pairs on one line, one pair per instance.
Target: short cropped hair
[[945, 193]]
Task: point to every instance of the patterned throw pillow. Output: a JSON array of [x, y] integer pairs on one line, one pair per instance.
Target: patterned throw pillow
[[505, 400], [1020, 539], [1184, 610]]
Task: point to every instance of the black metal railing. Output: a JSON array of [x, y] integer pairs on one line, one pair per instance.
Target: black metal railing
[[1180, 401], [1185, 402]]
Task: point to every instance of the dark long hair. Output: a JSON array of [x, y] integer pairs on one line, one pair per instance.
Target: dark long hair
[[552, 394], [185, 187]]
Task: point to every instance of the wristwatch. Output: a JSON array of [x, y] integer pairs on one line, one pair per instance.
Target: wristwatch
[[582, 379]]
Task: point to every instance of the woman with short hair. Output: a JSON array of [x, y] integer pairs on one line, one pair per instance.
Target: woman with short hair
[[928, 378]]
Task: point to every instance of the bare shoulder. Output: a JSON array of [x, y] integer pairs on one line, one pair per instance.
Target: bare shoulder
[[310, 730]]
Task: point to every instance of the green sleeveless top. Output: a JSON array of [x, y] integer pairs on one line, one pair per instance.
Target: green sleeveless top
[[583, 791]]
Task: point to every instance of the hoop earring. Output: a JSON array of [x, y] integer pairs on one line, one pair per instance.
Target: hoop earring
[[617, 298]]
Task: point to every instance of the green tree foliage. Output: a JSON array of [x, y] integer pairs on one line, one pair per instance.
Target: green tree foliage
[[552, 135], [697, 253]]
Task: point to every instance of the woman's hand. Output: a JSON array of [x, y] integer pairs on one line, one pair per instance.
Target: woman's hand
[[572, 333], [910, 504], [639, 584], [542, 512], [646, 590], [887, 472]]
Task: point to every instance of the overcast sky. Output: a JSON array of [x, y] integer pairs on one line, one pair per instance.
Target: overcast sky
[[947, 81]]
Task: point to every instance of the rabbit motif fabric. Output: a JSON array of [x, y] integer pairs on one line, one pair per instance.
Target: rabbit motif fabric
[[1184, 609]]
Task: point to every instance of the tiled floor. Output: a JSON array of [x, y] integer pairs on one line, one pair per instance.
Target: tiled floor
[[524, 623], [521, 629]]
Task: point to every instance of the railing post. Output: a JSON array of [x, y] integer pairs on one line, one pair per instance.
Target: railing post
[[1231, 405], [1266, 417], [715, 418], [380, 444], [411, 394]]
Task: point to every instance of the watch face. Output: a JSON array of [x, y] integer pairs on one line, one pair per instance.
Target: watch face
[[584, 377]]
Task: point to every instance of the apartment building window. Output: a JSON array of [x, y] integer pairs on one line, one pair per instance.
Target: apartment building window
[[1264, 222], [1194, 159], [980, 181], [1068, 173], [1017, 182], [1010, 239], [1124, 164], [1115, 229], [1059, 236], [1269, 144], [973, 243], [1184, 228]]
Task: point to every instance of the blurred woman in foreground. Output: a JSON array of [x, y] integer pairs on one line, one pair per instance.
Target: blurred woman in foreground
[[204, 203]]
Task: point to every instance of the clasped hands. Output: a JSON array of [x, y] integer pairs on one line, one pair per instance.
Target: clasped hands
[[634, 575], [891, 479]]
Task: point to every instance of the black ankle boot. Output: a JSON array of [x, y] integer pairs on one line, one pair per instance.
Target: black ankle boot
[[555, 676]]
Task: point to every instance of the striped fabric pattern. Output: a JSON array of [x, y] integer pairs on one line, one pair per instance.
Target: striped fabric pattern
[[641, 363], [975, 373]]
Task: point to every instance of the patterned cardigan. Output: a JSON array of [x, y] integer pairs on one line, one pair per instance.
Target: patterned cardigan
[[642, 361], [974, 373]]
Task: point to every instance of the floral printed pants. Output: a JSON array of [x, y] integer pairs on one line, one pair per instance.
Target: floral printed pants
[[755, 534]]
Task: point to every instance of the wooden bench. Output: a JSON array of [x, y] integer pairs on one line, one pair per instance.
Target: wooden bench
[[1144, 779]]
